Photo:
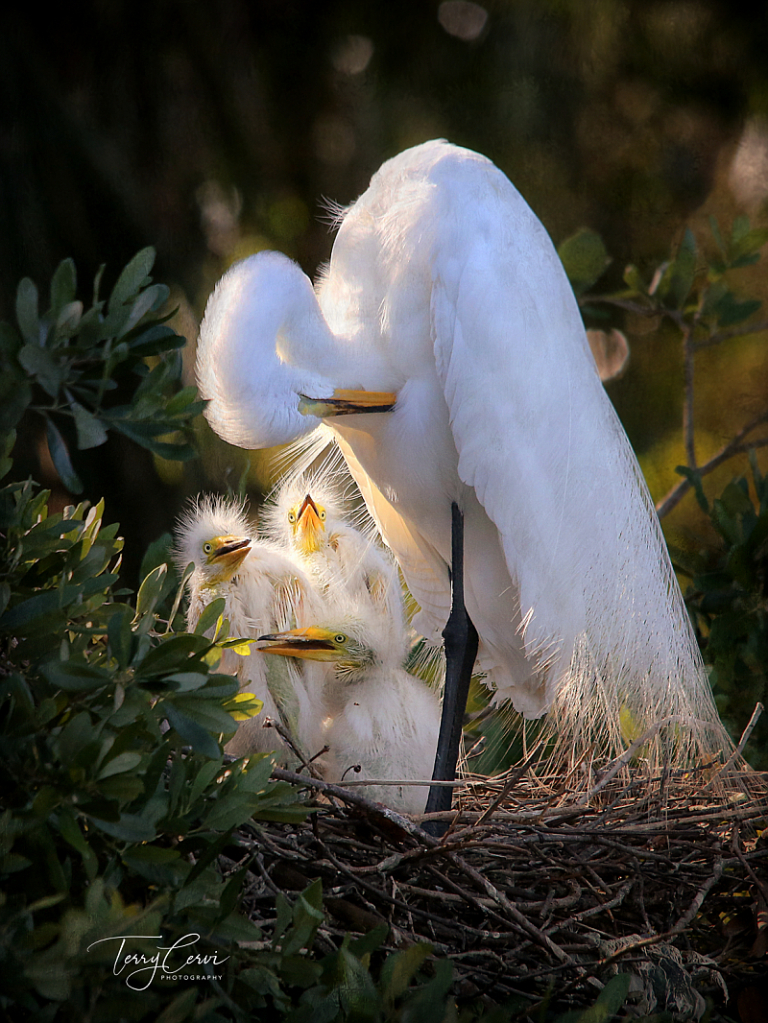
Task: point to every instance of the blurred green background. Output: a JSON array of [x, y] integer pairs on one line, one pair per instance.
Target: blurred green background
[[211, 129]]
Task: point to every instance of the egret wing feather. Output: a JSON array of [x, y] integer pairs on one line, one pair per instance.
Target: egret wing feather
[[602, 620]]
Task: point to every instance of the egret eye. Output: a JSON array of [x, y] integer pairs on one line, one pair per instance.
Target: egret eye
[[291, 517], [321, 512], [339, 638], [207, 548]]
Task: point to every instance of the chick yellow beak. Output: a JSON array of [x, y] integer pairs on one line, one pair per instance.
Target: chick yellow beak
[[347, 402], [309, 525], [313, 643], [228, 552]]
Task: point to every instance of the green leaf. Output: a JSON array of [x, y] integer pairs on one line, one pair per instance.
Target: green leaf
[[584, 257], [124, 788], [204, 778], [230, 813], [132, 278], [172, 652], [30, 613], [187, 681], [210, 616], [41, 364], [120, 636], [119, 764], [27, 315], [678, 279], [193, 733], [244, 706], [68, 320], [207, 713], [156, 339], [609, 1001], [400, 969], [63, 285], [183, 401], [76, 735], [730, 311], [60, 457], [240, 646], [71, 833], [75, 676], [634, 280], [307, 916], [90, 432], [151, 591], [129, 828], [369, 942], [144, 434], [150, 299], [694, 478]]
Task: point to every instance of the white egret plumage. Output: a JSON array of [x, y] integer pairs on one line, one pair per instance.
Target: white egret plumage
[[444, 289], [343, 558], [382, 722], [264, 588]]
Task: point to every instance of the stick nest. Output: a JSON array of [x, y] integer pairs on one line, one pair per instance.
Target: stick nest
[[534, 889]]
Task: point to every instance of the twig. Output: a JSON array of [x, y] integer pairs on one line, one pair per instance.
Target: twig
[[377, 809], [745, 735], [696, 905], [625, 757], [726, 335], [735, 446], [510, 908], [513, 779], [736, 846], [287, 738]]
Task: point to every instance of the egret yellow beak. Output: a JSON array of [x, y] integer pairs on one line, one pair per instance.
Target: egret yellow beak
[[310, 524], [312, 643], [229, 552], [347, 403]]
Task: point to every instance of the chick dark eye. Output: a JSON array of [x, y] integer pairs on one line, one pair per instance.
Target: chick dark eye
[[339, 639], [322, 516], [291, 516], [207, 548]]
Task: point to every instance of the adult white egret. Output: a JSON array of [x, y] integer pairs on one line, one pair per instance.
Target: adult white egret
[[264, 588], [444, 289], [381, 719]]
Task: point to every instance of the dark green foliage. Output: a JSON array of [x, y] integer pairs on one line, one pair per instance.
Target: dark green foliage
[[87, 371], [693, 288], [728, 600]]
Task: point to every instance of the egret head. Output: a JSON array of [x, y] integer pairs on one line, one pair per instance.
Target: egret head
[[215, 535], [305, 512], [307, 524], [344, 645]]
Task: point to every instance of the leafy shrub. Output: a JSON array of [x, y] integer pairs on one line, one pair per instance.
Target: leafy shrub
[[728, 601], [112, 366]]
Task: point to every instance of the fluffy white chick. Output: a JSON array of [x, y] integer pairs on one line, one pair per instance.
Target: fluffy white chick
[[264, 588], [344, 559], [381, 718]]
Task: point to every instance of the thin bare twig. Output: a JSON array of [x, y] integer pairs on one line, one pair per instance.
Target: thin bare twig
[[736, 446]]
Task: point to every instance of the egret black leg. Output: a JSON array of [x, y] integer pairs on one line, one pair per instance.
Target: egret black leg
[[461, 642]]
